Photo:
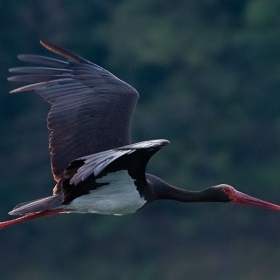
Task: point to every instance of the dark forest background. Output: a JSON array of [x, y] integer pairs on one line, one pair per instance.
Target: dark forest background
[[208, 73]]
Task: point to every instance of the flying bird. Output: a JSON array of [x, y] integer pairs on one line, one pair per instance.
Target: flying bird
[[96, 168]]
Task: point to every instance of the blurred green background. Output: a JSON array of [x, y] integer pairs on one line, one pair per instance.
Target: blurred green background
[[208, 73]]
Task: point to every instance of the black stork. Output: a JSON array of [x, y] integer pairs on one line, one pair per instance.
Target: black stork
[[96, 168]]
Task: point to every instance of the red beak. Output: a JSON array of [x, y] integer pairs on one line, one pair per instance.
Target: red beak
[[249, 200]]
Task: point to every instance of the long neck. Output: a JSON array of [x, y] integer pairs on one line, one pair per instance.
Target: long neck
[[177, 194], [162, 190]]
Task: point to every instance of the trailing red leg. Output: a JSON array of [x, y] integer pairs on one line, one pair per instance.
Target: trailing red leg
[[30, 216]]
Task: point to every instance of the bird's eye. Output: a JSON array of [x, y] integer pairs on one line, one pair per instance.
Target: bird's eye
[[227, 190]]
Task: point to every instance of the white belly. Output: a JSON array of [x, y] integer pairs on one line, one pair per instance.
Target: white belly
[[118, 198]]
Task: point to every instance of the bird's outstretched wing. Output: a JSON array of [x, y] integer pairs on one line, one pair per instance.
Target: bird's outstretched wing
[[83, 174], [91, 108]]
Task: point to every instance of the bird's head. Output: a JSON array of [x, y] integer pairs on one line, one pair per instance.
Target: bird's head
[[226, 193]]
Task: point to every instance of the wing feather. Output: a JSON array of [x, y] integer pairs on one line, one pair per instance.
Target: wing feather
[[96, 163], [91, 108], [82, 174]]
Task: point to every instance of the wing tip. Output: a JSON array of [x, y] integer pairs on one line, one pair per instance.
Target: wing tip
[[47, 45], [165, 142], [63, 52], [146, 144]]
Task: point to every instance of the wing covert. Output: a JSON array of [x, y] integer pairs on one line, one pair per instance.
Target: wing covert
[[81, 175], [96, 163]]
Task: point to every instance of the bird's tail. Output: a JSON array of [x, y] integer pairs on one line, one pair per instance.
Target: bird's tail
[[37, 205]]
